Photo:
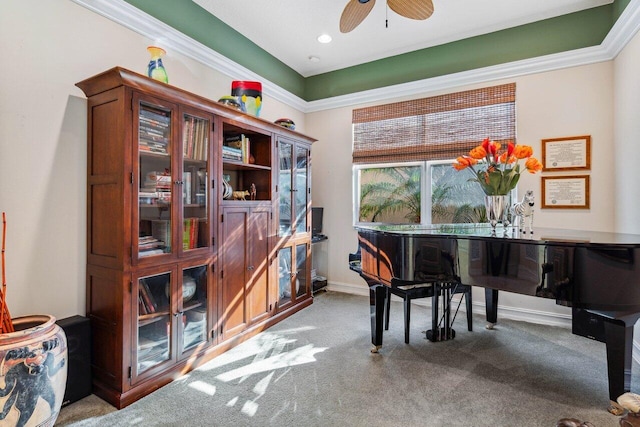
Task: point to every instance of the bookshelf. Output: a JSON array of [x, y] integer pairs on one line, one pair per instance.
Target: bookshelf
[[177, 273]]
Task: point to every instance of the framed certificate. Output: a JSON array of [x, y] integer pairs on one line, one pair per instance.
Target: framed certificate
[[565, 192], [570, 153]]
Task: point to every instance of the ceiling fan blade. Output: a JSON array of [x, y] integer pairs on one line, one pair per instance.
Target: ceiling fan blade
[[354, 13], [412, 9]]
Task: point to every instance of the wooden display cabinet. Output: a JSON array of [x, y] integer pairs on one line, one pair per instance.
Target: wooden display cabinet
[[176, 273]]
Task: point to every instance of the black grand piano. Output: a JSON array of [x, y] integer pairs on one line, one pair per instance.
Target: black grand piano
[[595, 273]]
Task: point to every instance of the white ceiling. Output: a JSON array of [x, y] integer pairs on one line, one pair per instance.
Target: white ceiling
[[288, 29]]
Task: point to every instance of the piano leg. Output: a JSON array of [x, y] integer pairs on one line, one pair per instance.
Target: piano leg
[[377, 296], [432, 334], [387, 308], [491, 302], [446, 301], [619, 342], [467, 298]]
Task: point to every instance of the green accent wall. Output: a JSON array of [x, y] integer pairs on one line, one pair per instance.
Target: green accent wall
[[564, 33], [567, 32], [195, 22]]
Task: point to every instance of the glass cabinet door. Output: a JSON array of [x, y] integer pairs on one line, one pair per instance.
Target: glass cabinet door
[[285, 153], [195, 201], [293, 184], [154, 321], [301, 185], [301, 284], [285, 274], [293, 267], [155, 181], [193, 312]]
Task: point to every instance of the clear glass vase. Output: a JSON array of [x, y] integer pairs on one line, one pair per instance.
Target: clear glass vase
[[496, 209]]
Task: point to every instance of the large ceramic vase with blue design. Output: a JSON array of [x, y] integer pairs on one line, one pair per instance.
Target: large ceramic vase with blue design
[[33, 372]]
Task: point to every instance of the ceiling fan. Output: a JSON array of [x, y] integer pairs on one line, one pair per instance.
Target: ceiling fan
[[356, 10]]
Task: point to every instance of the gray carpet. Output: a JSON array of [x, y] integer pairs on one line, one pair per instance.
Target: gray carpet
[[315, 369]]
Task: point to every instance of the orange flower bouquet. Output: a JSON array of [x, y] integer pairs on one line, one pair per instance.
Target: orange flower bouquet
[[497, 170]]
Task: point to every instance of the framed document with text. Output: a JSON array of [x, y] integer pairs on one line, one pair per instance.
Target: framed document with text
[[565, 192], [563, 154]]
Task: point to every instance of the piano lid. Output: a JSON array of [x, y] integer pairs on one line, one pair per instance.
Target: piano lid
[[542, 236]]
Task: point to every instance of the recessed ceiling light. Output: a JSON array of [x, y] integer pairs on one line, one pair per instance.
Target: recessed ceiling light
[[324, 38], [314, 59]]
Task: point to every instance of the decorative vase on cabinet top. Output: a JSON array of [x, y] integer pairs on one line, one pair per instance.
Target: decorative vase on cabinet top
[[249, 94], [155, 69]]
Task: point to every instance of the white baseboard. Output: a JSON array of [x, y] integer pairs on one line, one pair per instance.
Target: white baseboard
[[505, 312]]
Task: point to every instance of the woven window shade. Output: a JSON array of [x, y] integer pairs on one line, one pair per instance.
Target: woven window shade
[[435, 128]]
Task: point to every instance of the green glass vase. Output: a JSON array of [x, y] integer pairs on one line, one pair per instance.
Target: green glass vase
[[155, 69]]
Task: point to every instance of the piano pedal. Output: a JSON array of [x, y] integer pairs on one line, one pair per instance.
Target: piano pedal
[[490, 326], [440, 335], [375, 348]]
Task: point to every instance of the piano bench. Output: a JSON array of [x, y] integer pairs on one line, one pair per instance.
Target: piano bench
[[424, 290]]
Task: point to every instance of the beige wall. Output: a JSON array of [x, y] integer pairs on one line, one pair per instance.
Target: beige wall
[[48, 46], [626, 113], [575, 101]]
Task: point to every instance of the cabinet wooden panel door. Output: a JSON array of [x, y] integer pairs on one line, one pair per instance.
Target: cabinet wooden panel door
[[233, 316], [258, 269], [245, 267]]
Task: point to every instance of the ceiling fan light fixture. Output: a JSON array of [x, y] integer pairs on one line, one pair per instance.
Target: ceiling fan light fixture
[[324, 38], [357, 10]]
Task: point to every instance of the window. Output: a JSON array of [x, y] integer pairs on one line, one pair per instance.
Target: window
[[392, 194], [405, 150]]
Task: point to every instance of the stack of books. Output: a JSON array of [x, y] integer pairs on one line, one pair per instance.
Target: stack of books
[[156, 188], [236, 148], [153, 130], [159, 242]]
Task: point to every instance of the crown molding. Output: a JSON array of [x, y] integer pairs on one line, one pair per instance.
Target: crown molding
[[171, 39], [133, 18], [622, 32]]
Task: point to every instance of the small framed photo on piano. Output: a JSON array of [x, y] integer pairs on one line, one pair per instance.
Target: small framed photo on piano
[[563, 154], [565, 192]]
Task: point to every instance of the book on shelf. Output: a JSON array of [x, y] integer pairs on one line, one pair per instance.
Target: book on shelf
[[195, 138], [154, 129], [245, 150], [150, 252], [149, 302], [154, 115], [161, 230], [142, 308], [190, 233], [236, 148], [186, 188], [230, 153], [156, 188]]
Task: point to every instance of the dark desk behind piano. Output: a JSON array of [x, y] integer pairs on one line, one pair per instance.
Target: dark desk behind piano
[[595, 273]]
